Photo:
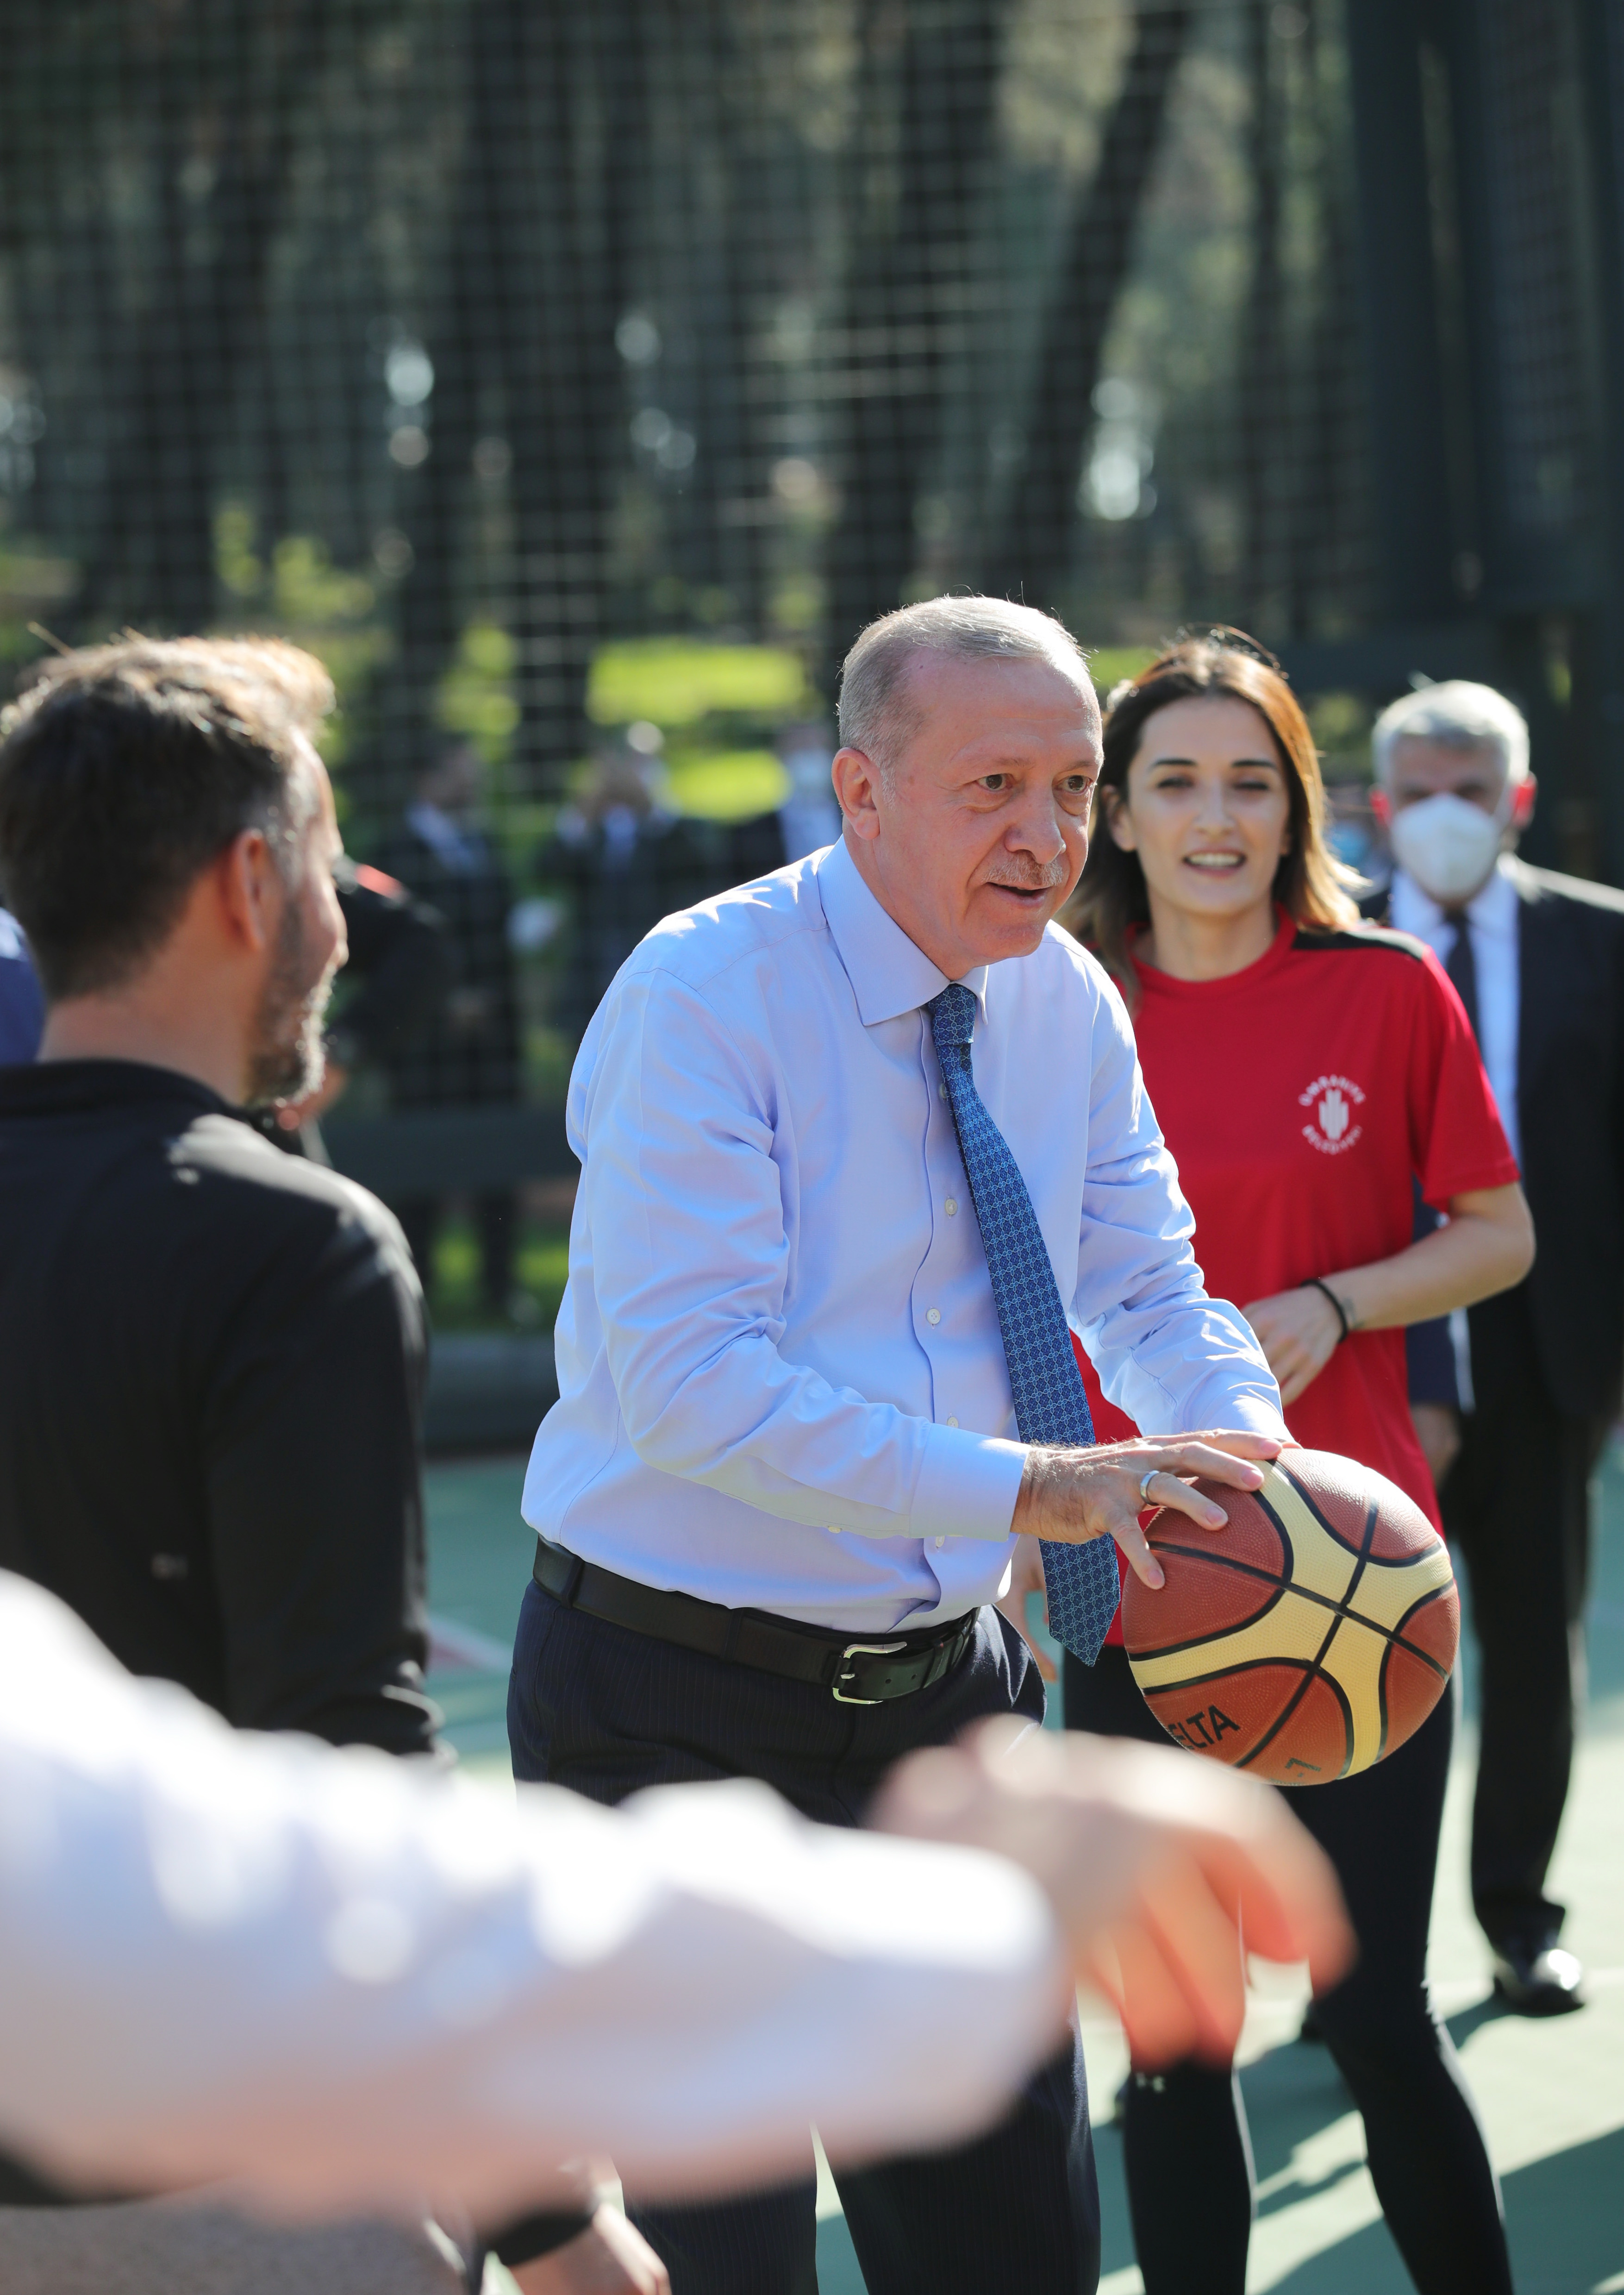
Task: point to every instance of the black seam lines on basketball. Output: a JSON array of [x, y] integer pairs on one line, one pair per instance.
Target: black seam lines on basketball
[[1319, 1514], [1316, 1670], [1393, 1634]]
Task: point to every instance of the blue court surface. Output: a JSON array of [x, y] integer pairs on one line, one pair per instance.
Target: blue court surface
[[1551, 2094]]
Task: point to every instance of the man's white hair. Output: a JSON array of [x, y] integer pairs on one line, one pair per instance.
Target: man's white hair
[[1457, 713], [877, 715]]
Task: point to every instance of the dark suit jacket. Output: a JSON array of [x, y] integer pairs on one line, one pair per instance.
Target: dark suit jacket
[[1571, 1112], [450, 1058]]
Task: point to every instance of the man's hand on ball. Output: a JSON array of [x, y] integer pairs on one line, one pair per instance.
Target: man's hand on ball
[[1299, 1331], [1156, 1867], [1072, 1496]]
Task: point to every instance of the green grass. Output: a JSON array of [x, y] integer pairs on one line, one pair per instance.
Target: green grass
[[540, 1269], [727, 784], [678, 681]]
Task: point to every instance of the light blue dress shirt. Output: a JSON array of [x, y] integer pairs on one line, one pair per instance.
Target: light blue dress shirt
[[781, 1382]]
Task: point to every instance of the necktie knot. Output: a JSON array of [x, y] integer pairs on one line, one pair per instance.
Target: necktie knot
[[952, 1015]]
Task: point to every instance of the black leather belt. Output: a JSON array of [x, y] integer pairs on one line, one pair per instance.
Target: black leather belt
[[854, 1672]]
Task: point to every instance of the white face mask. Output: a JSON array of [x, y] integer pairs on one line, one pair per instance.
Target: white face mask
[[809, 773], [1448, 844]]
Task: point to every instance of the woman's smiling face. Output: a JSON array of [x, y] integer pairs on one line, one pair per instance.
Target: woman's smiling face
[[1206, 808]]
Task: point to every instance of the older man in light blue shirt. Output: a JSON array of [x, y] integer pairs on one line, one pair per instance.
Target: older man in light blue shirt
[[784, 1477]]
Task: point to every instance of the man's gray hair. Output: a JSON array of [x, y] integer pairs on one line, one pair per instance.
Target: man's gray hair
[[1457, 713], [876, 713]]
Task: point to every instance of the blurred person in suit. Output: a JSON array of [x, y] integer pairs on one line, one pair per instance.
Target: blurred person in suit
[[467, 1053], [623, 858], [397, 967], [1538, 962], [808, 819], [22, 1004]]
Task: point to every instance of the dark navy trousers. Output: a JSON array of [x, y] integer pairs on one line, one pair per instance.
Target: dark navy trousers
[[607, 1711]]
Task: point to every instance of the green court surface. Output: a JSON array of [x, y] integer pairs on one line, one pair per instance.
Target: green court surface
[[1550, 2094]]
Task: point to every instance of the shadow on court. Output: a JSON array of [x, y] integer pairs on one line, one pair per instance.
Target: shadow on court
[[1565, 2222]]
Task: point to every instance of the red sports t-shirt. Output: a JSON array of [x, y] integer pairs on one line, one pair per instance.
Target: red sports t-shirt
[[1298, 1098]]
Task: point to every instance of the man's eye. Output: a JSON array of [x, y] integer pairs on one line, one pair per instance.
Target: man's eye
[[995, 780]]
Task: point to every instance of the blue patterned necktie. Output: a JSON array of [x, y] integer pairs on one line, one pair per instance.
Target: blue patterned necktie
[[1050, 1402]]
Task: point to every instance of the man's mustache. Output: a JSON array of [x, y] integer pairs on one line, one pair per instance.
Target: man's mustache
[[1034, 879]]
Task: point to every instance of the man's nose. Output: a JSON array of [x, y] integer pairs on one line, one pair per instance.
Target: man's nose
[[1037, 827]]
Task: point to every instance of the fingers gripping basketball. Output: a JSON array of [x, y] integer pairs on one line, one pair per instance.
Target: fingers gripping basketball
[[1308, 1638]]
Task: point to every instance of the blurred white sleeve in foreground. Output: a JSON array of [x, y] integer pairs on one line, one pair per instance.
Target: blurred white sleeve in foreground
[[351, 1981]]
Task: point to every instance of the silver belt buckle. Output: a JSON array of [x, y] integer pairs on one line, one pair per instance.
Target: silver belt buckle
[[862, 1649]]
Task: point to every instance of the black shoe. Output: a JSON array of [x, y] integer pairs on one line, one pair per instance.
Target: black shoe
[[1537, 1981]]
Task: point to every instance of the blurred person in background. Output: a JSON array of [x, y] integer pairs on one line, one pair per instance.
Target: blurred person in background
[[807, 821], [466, 1052], [398, 967], [623, 859], [22, 1003], [1539, 963]]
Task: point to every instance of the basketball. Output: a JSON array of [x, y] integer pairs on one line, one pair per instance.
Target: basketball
[[1308, 1638]]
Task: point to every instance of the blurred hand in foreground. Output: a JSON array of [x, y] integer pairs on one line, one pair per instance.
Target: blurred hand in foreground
[[1157, 1867], [610, 2257]]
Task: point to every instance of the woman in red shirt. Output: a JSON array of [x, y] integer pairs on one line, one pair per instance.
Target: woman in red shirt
[[1307, 1071]]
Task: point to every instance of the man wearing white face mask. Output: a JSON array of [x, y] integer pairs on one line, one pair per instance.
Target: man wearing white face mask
[[807, 821], [1539, 963]]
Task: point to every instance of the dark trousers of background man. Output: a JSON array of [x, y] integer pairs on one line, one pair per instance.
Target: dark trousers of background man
[[1516, 1507], [496, 1225], [605, 1711]]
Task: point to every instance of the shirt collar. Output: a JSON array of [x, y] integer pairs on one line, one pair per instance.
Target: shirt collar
[[890, 974], [1492, 909], [50, 1087]]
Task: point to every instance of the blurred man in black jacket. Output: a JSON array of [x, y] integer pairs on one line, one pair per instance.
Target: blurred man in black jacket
[[208, 1423], [1538, 962]]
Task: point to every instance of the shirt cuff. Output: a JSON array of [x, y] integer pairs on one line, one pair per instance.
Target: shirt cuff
[[1253, 1414], [967, 1485]]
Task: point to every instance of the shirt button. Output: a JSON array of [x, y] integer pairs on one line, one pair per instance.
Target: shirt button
[[834, 1530], [940, 1542], [952, 1206], [952, 1422], [933, 1315], [941, 1091]]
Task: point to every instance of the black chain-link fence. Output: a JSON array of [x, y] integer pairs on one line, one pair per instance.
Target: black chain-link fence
[[470, 337]]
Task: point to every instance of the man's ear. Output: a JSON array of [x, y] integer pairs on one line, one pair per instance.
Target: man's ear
[[1380, 804], [249, 889], [856, 778], [1523, 795]]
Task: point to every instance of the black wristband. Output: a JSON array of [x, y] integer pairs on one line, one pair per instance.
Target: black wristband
[[528, 2236], [1314, 1284]]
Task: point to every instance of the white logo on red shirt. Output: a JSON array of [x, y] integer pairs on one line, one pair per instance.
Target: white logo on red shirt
[[1332, 1099]]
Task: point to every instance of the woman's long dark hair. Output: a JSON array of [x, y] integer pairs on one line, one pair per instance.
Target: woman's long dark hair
[[1110, 899]]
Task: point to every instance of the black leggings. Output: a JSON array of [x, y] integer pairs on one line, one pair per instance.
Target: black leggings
[[1188, 2158]]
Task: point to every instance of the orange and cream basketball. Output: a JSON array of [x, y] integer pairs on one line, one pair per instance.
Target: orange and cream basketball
[[1307, 1640]]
